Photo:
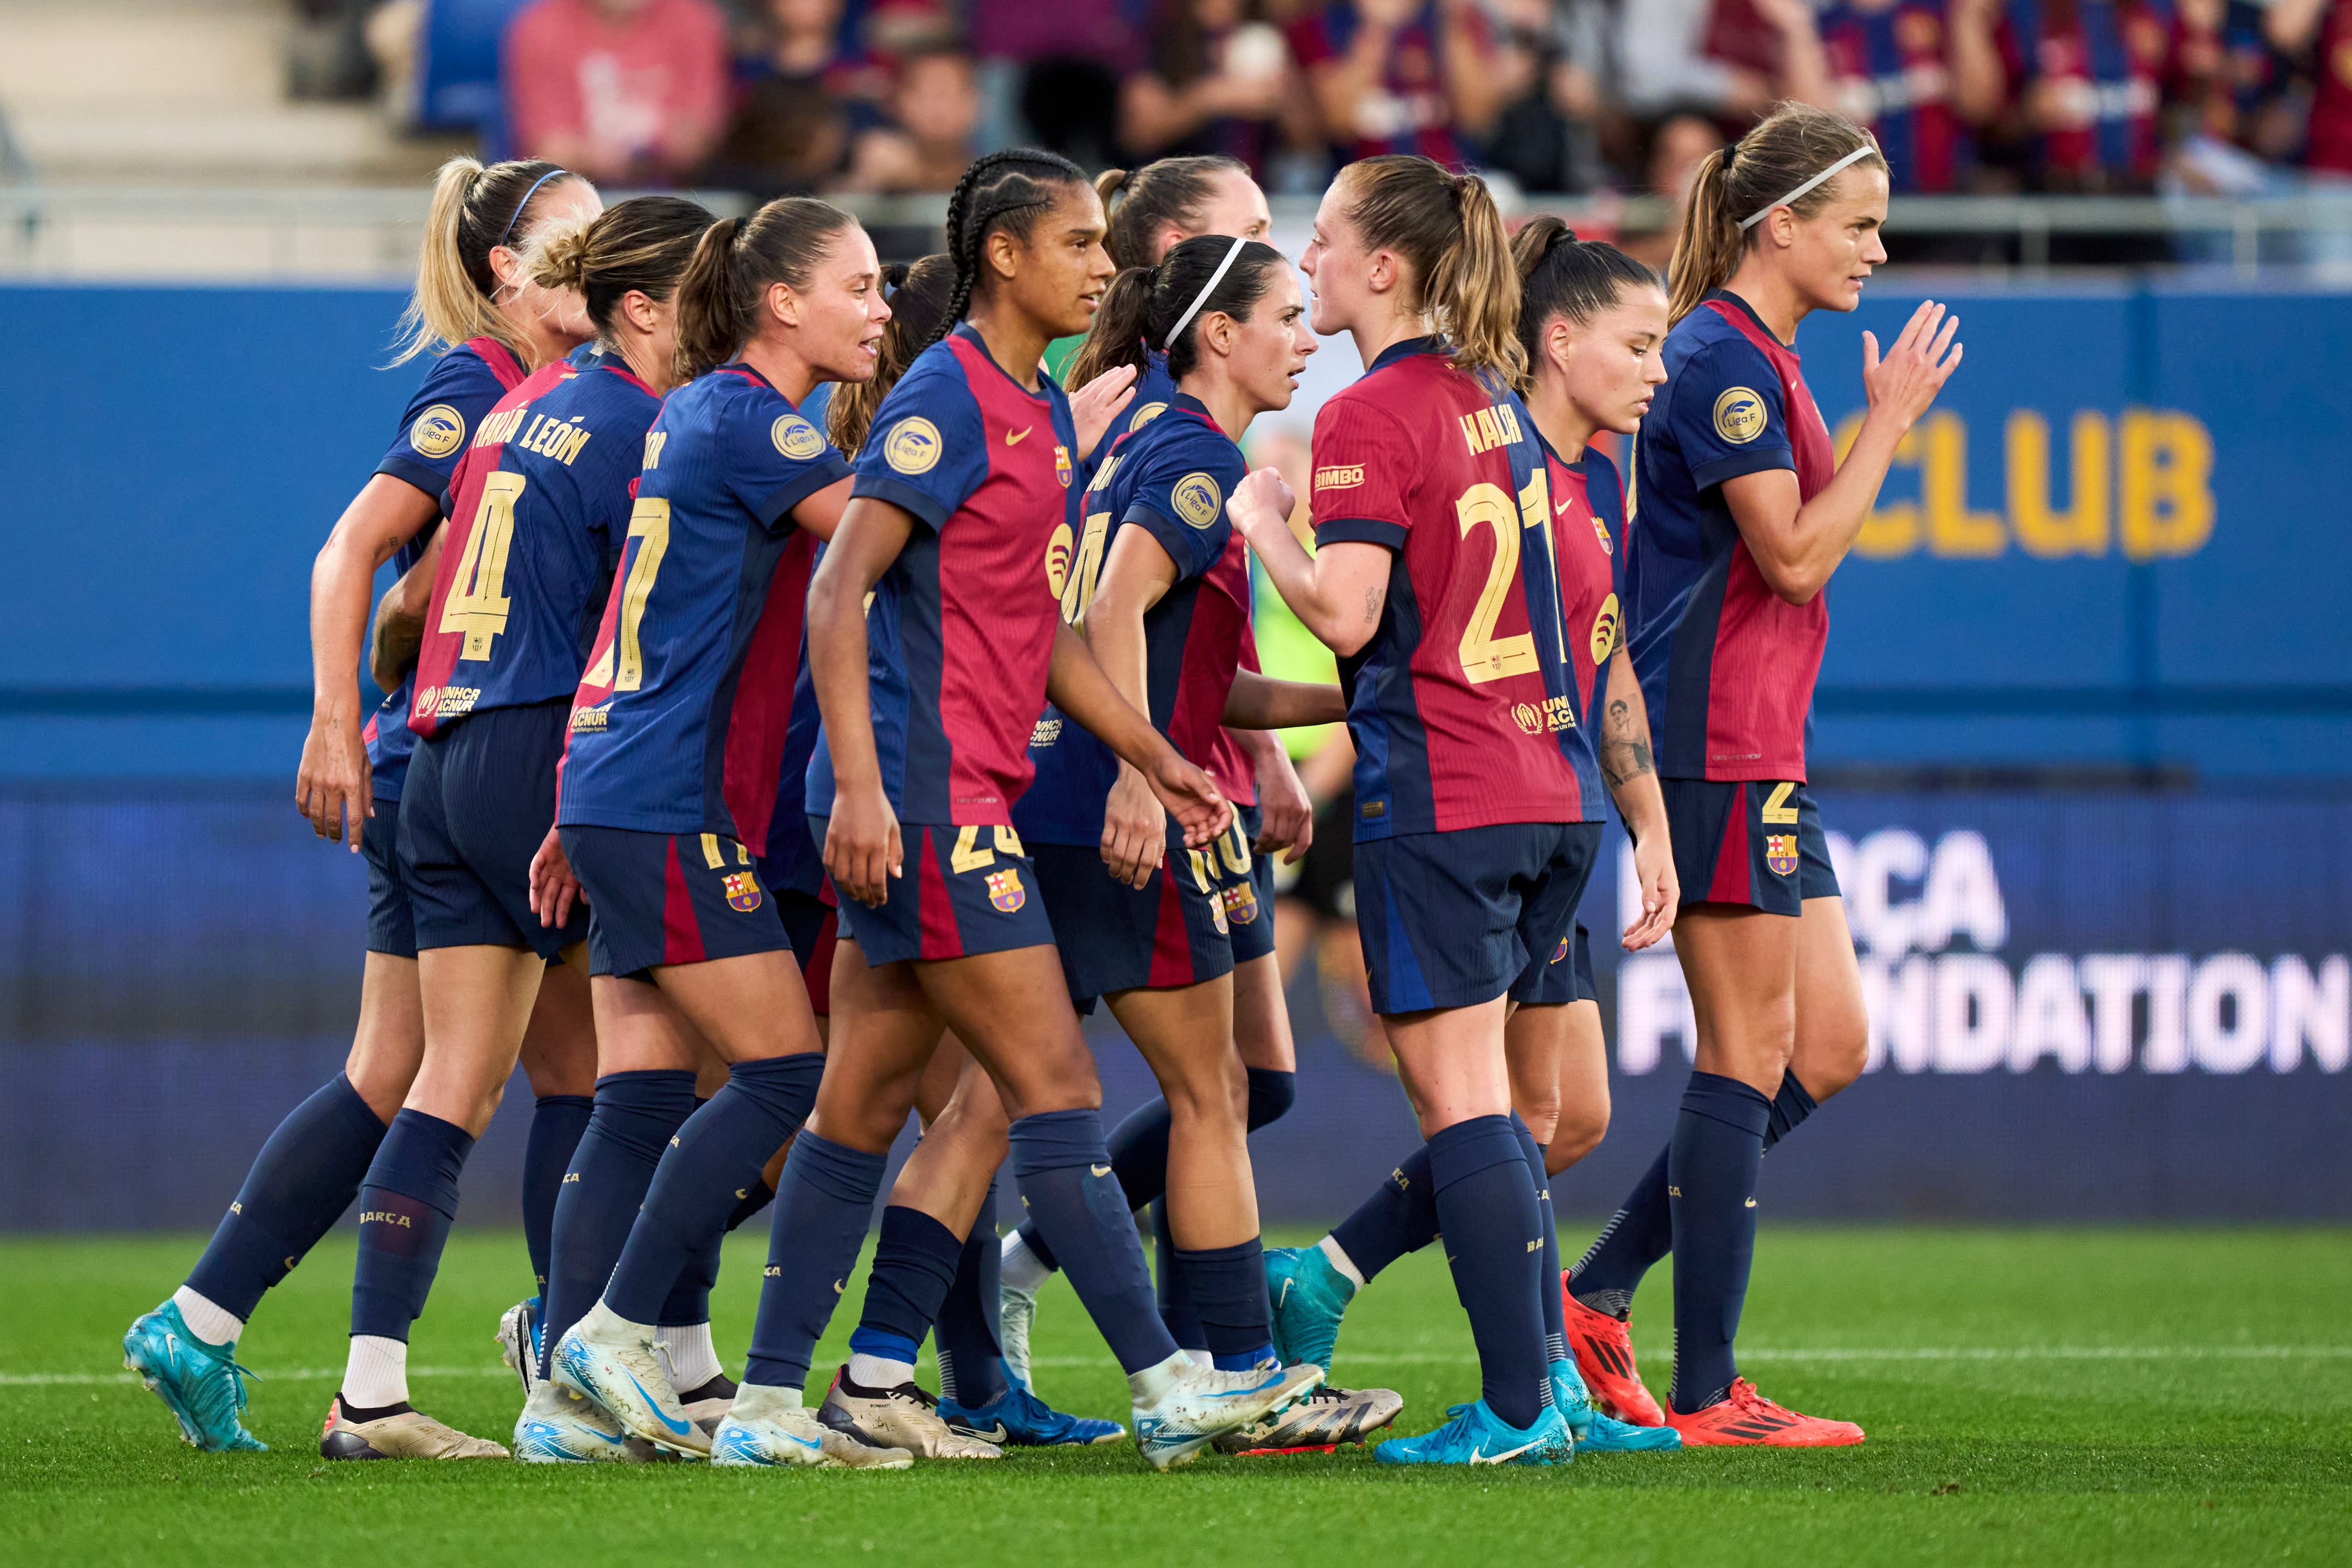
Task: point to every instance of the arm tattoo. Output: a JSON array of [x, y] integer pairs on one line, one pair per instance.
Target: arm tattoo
[[1623, 755], [1372, 599]]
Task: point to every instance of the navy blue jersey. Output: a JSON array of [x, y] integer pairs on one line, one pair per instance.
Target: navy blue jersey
[[1587, 532], [961, 631], [1172, 478], [1155, 389], [463, 386], [536, 510], [794, 861], [679, 722]]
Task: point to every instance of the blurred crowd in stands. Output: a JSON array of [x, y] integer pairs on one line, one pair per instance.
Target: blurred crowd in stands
[[2223, 97]]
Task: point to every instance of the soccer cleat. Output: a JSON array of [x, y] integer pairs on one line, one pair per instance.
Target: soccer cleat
[[1204, 1404], [1309, 1297], [200, 1384], [1569, 1397], [1745, 1418], [1609, 1436], [558, 1426], [1318, 1424], [1016, 1309], [905, 1416], [619, 1367], [795, 1436], [519, 1332], [406, 1434], [1604, 1355], [1019, 1419], [707, 1405], [1475, 1435]]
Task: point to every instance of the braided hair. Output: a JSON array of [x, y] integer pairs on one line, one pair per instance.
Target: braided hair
[[1005, 191]]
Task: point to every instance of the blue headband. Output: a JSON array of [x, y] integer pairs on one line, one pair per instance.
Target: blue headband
[[551, 174]]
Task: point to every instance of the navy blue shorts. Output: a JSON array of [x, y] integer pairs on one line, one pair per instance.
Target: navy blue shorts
[[813, 927], [1248, 898], [1452, 919], [479, 799], [964, 891], [1168, 934], [1561, 976], [1758, 843], [392, 927], [664, 899]]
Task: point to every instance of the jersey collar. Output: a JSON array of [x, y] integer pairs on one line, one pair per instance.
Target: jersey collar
[[1749, 311], [1185, 403], [1395, 351], [1549, 451], [970, 334]]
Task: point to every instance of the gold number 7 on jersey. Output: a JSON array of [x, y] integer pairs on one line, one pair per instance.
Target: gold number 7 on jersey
[[649, 525]]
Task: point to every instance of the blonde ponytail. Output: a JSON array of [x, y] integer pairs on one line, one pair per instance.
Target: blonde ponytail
[[1449, 231], [1789, 147], [474, 210]]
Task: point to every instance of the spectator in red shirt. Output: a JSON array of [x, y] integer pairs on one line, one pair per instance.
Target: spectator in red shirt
[[624, 91], [2082, 82], [1401, 76], [2294, 28]]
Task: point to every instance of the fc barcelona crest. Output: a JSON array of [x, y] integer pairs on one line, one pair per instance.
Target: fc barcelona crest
[[1562, 950], [1005, 891], [743, 891], [1781, 852], [1241, 902]]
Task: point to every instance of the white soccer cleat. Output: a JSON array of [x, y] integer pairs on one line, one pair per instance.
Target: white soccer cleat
[[517, 1342], [617, 1364], [558, 1426], [1206, 1403], [765, 1431], [905, 1416], [406, 1434], [1016, 1309]]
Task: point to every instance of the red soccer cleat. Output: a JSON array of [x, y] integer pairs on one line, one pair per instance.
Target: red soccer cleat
[[1604, 1354], [1746, 1419]]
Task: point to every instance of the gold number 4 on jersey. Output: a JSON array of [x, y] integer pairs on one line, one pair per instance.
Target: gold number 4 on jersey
[[477, 606]]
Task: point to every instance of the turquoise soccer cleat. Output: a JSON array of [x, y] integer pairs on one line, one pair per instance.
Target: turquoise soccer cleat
[[1570, 1398], [1611, 1436], [1310, 1297], [1476, 1435], [202, 1384], [1019, 1419]]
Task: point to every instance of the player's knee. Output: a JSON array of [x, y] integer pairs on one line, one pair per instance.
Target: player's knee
[[1541, 1112], [1833, 1057], [1578, 1133]]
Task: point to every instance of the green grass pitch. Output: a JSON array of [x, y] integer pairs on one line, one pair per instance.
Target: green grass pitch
[[2037, 1396]]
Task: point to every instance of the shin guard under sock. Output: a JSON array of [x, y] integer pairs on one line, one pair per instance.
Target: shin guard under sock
[[406, 1205], [304, 1178], [557, 1123], [824, 1204], [972, 1366], [1401, 1216], [635, 1116], [1712, 1161], [1064, 1170], [1486, 1210]]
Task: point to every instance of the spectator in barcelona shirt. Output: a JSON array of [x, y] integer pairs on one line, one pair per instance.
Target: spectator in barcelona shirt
[[1890, 67], [1730, 59], [624, 91], [1220, 79], [1401, 76], [2321, 30], [2080, 86]]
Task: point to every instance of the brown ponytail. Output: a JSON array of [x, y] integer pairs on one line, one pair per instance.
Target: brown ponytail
[[1168, 191], [639, 246], [1448, 229], [1788, 147], [474, 210], [918, 301], [1116, 336], [1560, 274], [733, 265]]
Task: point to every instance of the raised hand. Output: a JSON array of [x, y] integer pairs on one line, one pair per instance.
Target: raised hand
[[1927, 352], [1094, 406]]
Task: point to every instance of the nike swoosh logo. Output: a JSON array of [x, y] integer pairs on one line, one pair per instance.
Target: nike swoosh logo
[[1562, 510], [679, 1427], [1272, 1378], [1013, 437], [999, 1436], [837, 1285], [616, 1442], [1478, 1459], [803, 1442], [1751, 1203], [1099, 1170]]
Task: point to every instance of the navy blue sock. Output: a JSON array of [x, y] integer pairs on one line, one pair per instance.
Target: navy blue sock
[[915, 1262], [1064, 1175], [1789, 1108], [824, 1205], [757, 1197], [1711, 1170], [972, 1366], [1641, 1232], [406, 1205], [557, 1122], [717, 1154], [635, 1115], [1177, 1308], [1555, 1323], [688, 1301], [1486, 1210], [1227, 1287], [1401, 1216], [304, 1178]]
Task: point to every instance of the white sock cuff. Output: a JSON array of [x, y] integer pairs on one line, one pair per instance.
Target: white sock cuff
[[1330, 1248], [693, 1361], [1151, 1385], [755, 1402], [206, 1319], [1020, 1267], [879, 1371], [377, 1373]]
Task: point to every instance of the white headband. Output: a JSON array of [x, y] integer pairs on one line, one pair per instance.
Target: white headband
[[1202, 296], [1857, 156]]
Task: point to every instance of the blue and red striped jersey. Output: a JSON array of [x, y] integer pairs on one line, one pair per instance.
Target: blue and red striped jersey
[[1460, 706], [2090, 74], [961, 632], [1889, 67], [463, 386], [680, 724], [536, 513], [1727, 665], [1587, 525], [1172, 478], [795, 861]]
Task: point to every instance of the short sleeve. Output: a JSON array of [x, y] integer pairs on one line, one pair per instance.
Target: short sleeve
[[1727, 417], [1362, 472], [440, 420], [776, 458], [1179, 494], [927, 451]]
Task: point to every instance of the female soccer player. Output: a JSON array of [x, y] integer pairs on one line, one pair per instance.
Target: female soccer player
[[1591, 322], [1158, 207], [1743, 515], [491, 324], [959, 530], [1476, 803], [671, 775]]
